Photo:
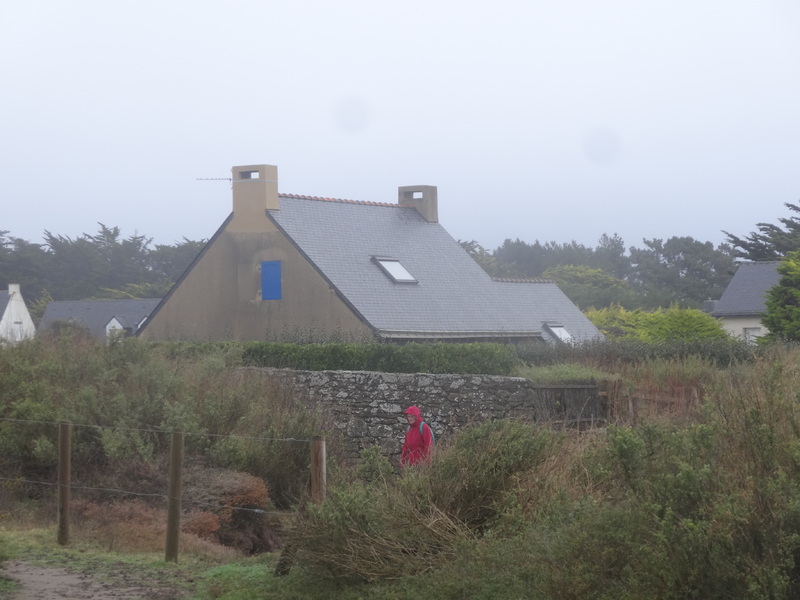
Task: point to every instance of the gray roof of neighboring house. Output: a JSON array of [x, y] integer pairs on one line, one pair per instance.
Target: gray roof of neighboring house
[[4, 298], [453, 295], [746, 293], [94, 315]]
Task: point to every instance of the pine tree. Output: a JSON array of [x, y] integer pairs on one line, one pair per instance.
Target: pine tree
[[770, 242], [783, 301]]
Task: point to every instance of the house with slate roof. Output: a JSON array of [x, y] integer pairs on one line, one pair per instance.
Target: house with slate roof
[[15, 320], [103, 319], [744, 300], [282, 266]]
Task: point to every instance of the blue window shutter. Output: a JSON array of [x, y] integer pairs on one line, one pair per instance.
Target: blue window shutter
[[271, 280]]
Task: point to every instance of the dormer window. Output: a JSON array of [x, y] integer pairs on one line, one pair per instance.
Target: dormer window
[[394, 269]]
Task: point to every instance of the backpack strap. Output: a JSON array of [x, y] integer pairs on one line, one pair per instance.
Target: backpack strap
[[422, 430], [433, 437]]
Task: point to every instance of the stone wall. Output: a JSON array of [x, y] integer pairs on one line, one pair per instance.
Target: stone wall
[[367, 408]]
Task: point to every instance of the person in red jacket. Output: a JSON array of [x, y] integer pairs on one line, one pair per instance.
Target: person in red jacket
[[419, 439]]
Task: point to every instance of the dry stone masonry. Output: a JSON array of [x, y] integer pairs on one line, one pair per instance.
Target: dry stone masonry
[[367, 408]]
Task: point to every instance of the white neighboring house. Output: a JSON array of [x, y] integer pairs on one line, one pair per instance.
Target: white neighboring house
[[15, 320], [745, 299]]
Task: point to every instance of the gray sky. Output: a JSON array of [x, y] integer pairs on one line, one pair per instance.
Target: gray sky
[[536, 119]]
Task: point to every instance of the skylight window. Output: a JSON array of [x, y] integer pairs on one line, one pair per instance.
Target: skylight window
[[560, 333], [394, 269]]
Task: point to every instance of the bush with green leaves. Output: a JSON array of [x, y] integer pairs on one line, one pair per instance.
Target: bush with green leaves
[[612, 353], [272, 441], [676, 323], [664, 325]]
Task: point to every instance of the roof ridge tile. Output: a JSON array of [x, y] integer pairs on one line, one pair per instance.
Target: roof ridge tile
[[522, 280], [340, 200]]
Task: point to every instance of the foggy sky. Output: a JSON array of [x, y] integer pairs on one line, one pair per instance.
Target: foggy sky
[[554, 121]]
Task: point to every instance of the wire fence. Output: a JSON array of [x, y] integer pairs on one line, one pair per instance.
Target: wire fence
[[165, 497]]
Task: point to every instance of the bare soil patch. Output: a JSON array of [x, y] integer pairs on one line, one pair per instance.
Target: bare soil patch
[[50, 583]]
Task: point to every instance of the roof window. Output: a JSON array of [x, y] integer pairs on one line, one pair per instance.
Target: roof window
[[394, 270], [559, 332]]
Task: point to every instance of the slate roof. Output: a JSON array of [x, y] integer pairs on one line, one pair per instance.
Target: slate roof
[[4, 298], [453, 296], [94, 315], [746, 293]]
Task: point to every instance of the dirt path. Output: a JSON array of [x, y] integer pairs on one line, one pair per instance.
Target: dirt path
[[46, 583]]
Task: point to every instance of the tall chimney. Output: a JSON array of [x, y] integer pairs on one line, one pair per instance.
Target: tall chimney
[[421, 197], [255, 190]]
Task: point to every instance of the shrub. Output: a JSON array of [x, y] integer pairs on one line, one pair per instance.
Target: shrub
[[679, 324], [237, 502], [374, 466], [483, 358], [673, 323], [387, 528], [615, 321], [271, 440], [611, 354], [470, 480], [563, 374], [363, 533]]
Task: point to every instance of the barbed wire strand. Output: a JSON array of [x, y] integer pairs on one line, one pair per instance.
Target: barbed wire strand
[[165, 431], [141, 494], [160, 431]]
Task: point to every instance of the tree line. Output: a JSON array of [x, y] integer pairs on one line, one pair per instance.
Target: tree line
[[678, 271], [103, 265]]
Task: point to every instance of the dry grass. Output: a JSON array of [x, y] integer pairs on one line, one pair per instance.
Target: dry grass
[[133, 526]]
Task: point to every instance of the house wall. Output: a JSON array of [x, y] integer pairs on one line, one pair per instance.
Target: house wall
[[220, 297], [736, 326], [364, 409], [15, 322]]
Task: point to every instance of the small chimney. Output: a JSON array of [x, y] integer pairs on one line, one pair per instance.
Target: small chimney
[[709, 306], [255, 190], [13, 288], [421, 197]]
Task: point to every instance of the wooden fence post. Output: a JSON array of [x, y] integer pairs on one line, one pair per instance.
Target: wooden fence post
[[174, 501], [318, 486], [318, 469], [64, 475]]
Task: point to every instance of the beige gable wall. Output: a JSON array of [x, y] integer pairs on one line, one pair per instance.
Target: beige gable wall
[[220, 298]]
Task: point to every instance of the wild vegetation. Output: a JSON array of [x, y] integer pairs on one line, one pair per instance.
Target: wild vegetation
[[693, 491]]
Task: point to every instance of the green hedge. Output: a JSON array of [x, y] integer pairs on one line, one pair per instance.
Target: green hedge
[[483, 358]]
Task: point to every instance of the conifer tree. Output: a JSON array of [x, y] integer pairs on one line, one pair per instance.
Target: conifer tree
[[783, 301]]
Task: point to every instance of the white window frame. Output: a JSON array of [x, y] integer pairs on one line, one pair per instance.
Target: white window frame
[[560, 333], [394, 269]]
